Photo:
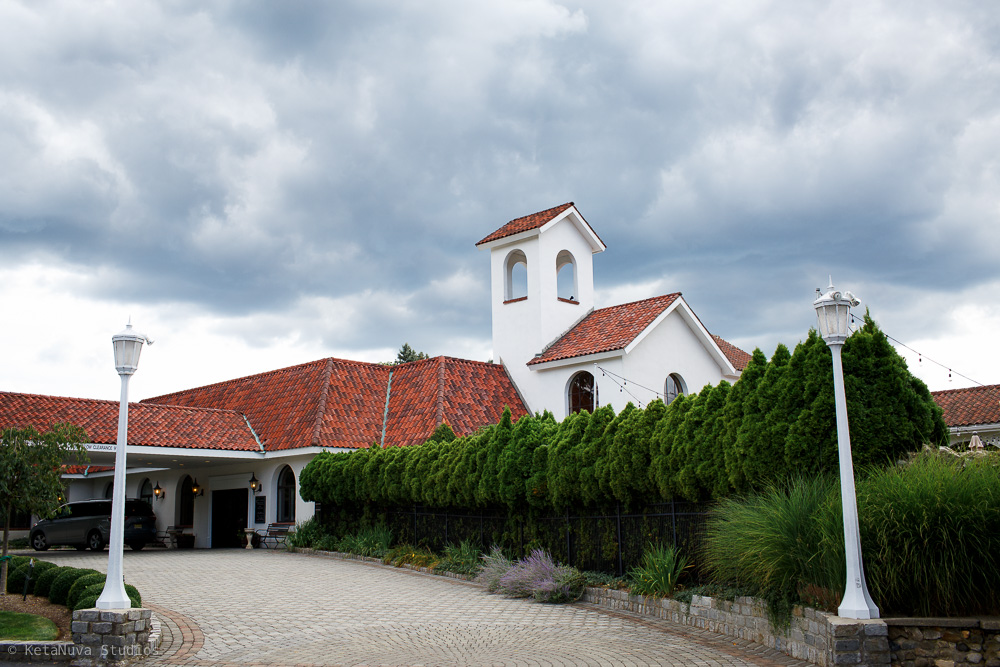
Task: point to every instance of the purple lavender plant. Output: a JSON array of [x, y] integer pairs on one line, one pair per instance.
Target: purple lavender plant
[[538, 576], [495, 565]]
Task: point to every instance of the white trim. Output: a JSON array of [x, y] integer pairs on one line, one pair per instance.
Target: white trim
[[573, 361], [202, 452], [684, 310], [596, 245]]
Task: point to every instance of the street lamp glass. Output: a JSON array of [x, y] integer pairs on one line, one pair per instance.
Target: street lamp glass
[[128, 346], [833, 314]]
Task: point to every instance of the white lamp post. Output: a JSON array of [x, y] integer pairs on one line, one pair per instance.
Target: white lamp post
[[128, 345], [833, 311]]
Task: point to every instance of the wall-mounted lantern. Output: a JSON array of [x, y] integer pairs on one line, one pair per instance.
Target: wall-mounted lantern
[[159, 493], [254, 483], [196, 489]]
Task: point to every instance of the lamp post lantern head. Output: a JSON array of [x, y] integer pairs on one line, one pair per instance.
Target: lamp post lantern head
[[833, 312], [128, 346]]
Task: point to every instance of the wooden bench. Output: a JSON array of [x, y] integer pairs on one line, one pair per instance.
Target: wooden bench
[[275, 535]]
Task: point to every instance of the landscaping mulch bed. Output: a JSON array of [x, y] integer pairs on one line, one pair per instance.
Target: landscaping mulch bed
[[40, 606]]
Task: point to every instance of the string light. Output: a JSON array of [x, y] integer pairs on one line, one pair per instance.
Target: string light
[[920, 355]]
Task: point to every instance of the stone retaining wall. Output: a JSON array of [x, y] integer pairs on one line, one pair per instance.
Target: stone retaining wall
[[820, 638], [944, 642]]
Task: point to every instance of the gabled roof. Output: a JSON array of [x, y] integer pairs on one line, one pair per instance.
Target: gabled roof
[[537, 221], [737, 357], [527, 223], [607, 329], [617, 327], [970, 406], [155, 425], [466, 395], [341, 403]]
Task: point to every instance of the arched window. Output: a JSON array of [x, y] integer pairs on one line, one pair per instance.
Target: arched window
[[516, 276], [185, 502], [566, 285], [286, 496], [673, 387], [581, 392], [146, 491], [109, 490]]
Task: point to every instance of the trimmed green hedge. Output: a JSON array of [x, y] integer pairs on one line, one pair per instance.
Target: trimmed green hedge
[[44, 583], [775, 422], [15, 579], [59, 590], [89, 595]]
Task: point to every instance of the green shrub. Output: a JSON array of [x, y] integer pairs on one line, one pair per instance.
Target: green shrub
[[15, 578], [90, 594], [931, 535], [76, 590], [306, 535], [930, 531], [371, 541], [659, 573], [60, 587], [406, 554], [45, 580], [464, 558]]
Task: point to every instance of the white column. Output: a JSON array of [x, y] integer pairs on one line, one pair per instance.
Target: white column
[[857, 603], [113, 596]]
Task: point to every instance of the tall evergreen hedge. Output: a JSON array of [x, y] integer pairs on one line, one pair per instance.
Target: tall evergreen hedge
[[776, 421]]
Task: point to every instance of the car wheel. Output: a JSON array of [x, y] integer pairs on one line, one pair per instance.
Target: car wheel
[[95, 541], [136, 546], [38, 542]]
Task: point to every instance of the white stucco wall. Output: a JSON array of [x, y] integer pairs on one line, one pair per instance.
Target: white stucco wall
[[671, 347], [212, 477], [524, 328]]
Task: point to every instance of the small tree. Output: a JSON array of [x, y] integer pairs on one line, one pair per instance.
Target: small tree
[[31, 472], [407, 353]]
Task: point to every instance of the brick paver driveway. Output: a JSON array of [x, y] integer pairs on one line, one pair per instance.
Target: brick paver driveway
[[238, 607]]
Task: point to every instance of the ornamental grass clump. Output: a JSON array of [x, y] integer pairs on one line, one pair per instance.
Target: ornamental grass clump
[[495, 564], [371, 541], [539, 576], [659, 573], [461, 558]]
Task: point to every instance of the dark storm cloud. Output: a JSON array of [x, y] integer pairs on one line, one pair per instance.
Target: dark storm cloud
[[246, 157]]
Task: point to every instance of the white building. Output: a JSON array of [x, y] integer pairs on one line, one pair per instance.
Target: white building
[[201, 447], [562, 353]]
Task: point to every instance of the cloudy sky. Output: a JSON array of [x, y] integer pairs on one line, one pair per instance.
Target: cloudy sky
[[259, 184]]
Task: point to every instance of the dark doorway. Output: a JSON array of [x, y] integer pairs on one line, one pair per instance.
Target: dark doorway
[[229, 517]]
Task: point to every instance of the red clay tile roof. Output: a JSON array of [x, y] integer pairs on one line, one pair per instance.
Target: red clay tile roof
[[607, 329], [737, 357], [528, 222], [155, 425], [86, 470], [340, 403], [970, 406], [466, 395], [326, 403]]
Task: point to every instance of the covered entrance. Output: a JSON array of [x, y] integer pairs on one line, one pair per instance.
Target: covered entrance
[[229, 517]]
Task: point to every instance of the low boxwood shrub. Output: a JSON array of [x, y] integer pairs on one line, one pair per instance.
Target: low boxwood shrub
[[45, 580], [88, 598], [60, 587], [81, 584], [15, 579]]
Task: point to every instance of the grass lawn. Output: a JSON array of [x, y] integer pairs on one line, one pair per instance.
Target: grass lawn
[[26, 627]]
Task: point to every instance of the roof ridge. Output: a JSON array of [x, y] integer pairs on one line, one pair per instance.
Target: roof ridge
[[271, 372], [632, 303], [528, 222], [321, 407], [439, 413]]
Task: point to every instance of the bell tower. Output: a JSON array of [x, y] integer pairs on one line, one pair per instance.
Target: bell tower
[[542, 283]]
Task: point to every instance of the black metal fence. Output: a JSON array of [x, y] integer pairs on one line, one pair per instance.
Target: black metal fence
[[608, 539]]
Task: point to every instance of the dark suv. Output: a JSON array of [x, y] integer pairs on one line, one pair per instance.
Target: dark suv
[[87, 523]]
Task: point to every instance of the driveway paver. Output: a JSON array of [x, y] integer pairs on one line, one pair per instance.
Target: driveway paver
[[238, 607]]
